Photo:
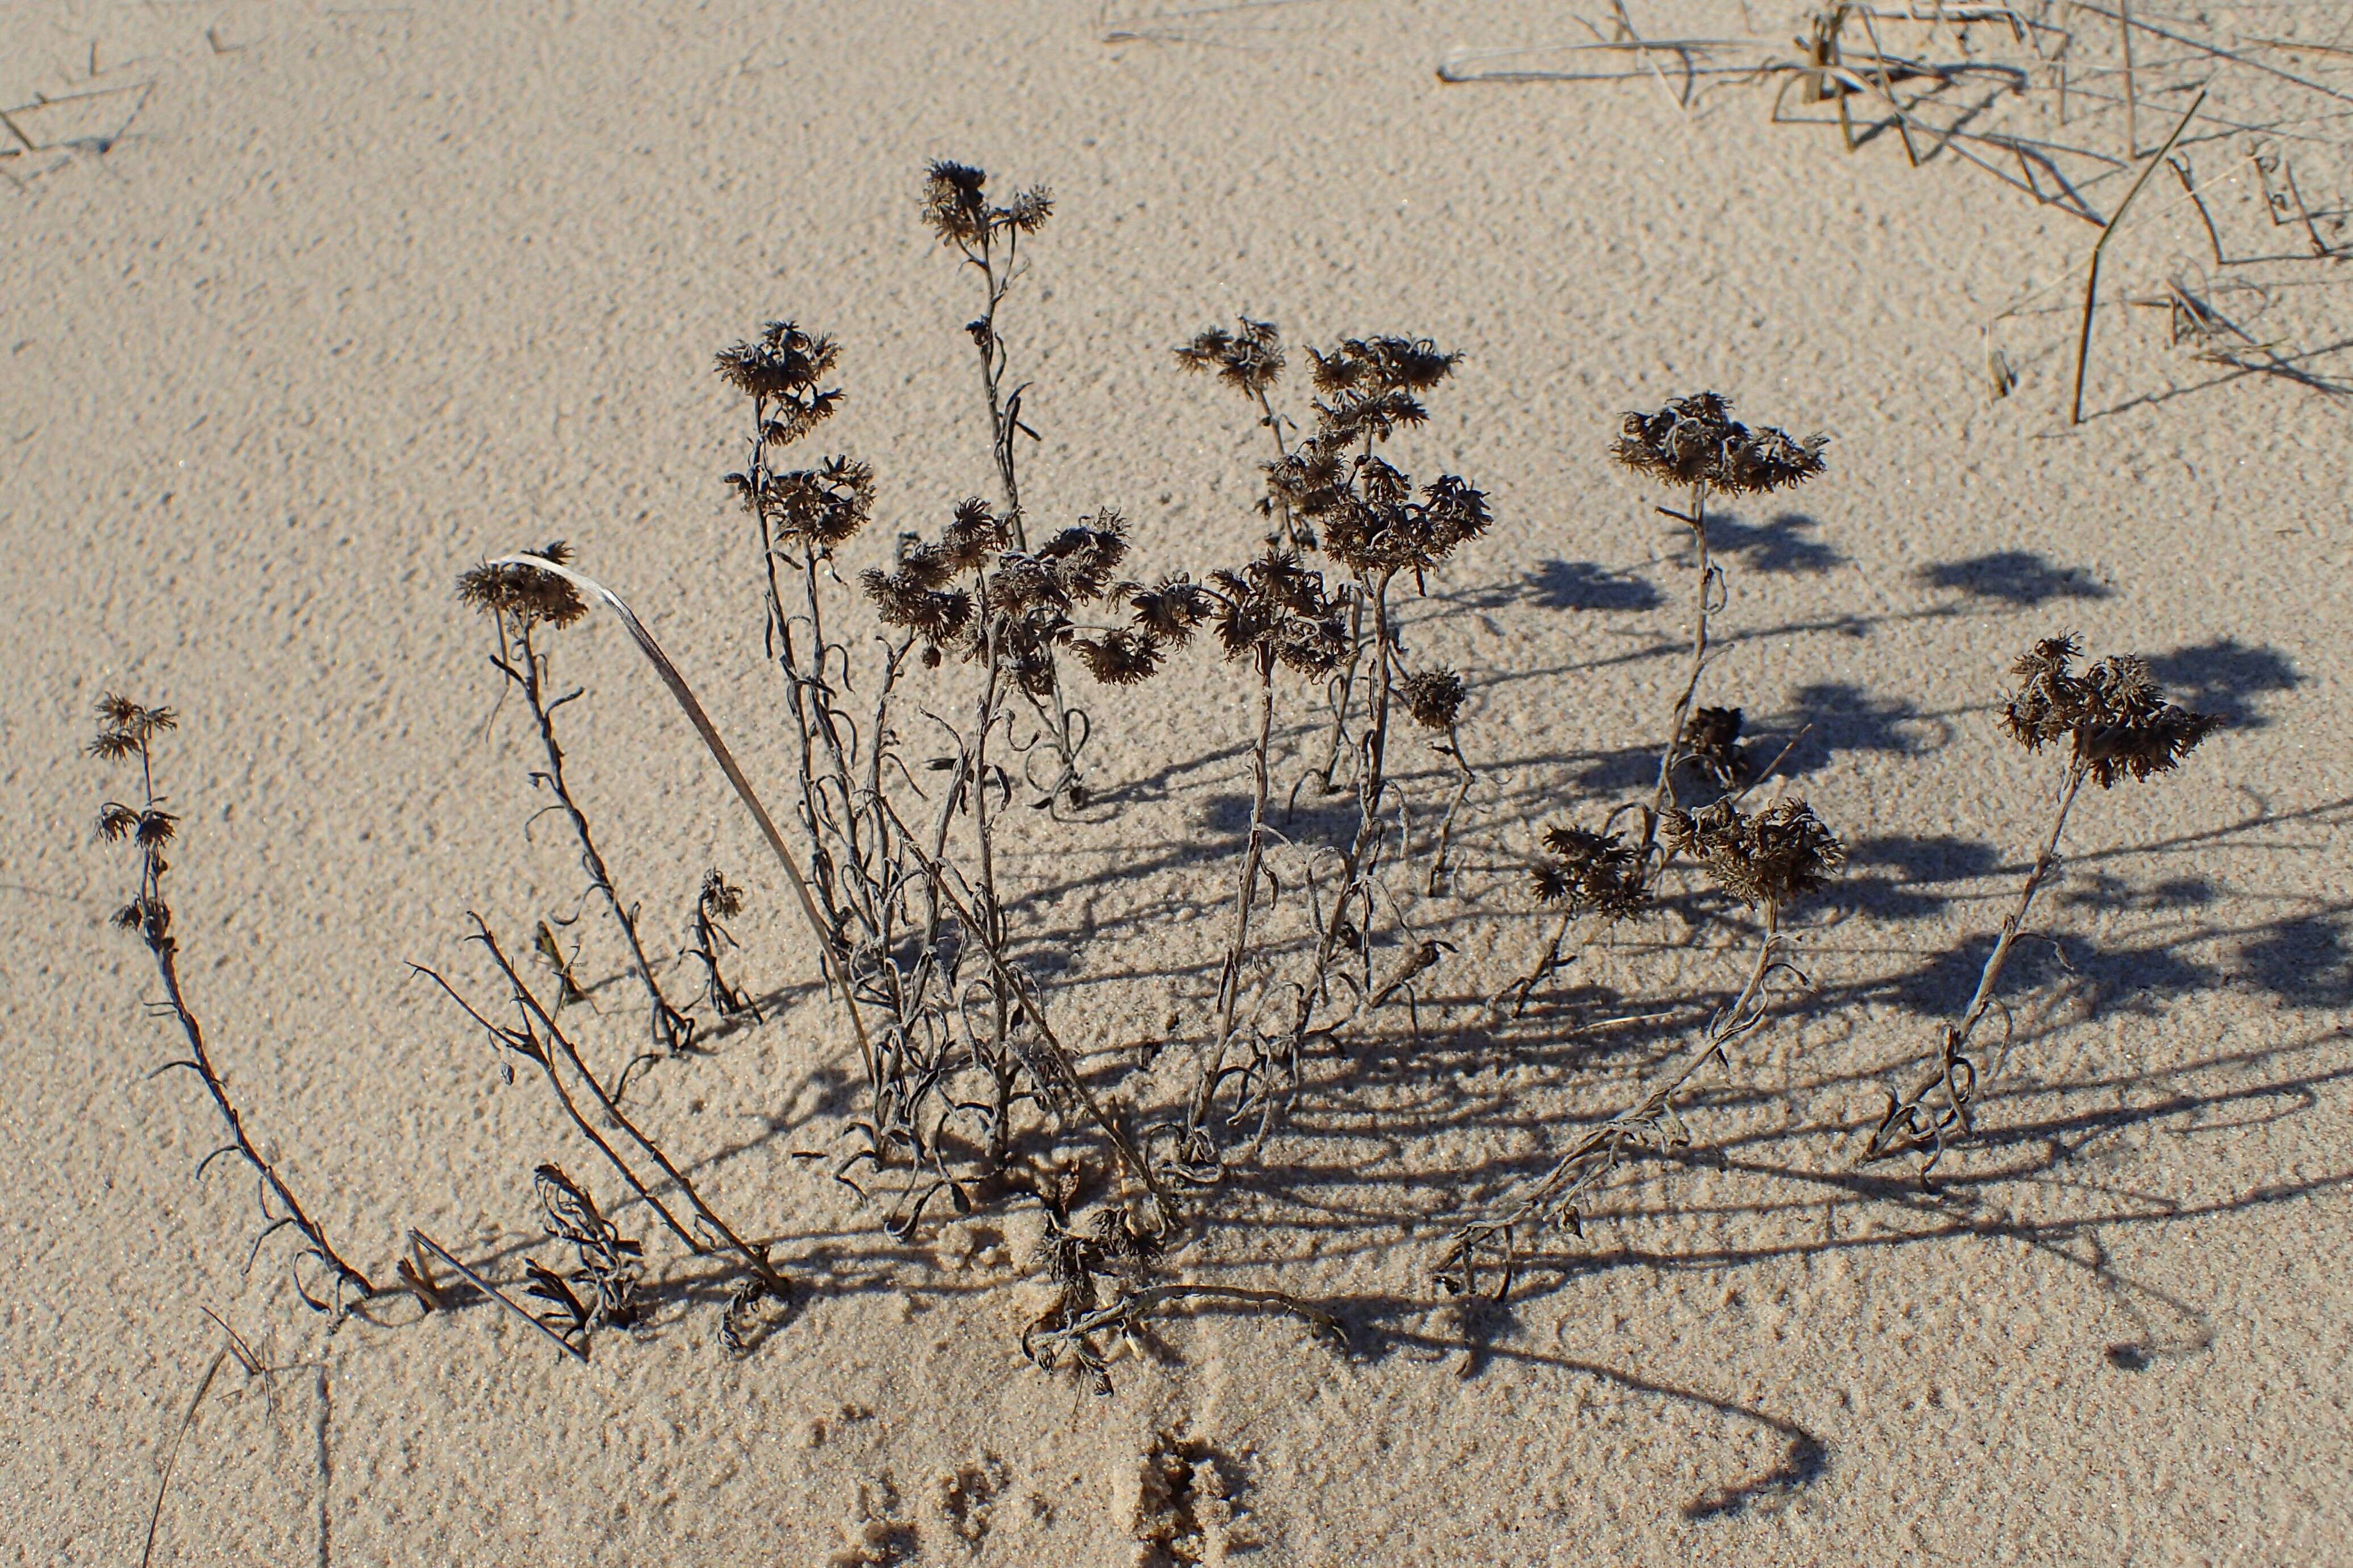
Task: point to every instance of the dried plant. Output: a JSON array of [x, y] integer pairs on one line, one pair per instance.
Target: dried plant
[[904, 908], [1695, 444], [2116, 725], [127, 733], [1768, 861], [958, 209], [536, 1038], [718, 900], [1331, 491], [606, 1264], [1102, 1274], [522, 604]]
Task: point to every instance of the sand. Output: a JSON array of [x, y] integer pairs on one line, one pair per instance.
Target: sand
[[363, 293]]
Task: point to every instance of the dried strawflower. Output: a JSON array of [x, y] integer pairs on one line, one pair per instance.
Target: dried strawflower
[[526, 593], [1780, 854], [1251, 359], [955, 204], [1433, 696], [1591, 873], [1696, 441], [781, 369], [126, 728], [2117, 721], [1711, 738]]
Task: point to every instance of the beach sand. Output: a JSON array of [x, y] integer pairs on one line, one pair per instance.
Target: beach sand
[[364, 294]]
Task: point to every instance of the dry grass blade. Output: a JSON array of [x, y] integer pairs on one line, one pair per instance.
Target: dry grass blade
[[692, 708], [495, 1294], [2099, 247], [172, 1454]]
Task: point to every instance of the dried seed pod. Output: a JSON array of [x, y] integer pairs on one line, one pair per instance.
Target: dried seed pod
[[1433, 696], [526, 593], [2119, 725], [1773, 857]]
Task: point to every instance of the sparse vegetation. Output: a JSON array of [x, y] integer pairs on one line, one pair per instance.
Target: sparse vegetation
[[926, 691]]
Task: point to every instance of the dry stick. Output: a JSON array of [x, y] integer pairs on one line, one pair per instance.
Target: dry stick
[[201, 1064], [523, 1044], [1230, 981], [672, 1030], [2132, 97], [755, 1257], [685, 697], [1137, 1303], [2092, 273], [1005, 424], [172, 1455], [1957, 1036], [1464, 779], [495, 1294], [1663, 793]]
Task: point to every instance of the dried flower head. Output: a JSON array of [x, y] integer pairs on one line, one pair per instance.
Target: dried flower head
[[1172, 610], [1277, 609], [1433, 696], [1778, 855], [526, 593], [1119, 658], [1382, 528], [1696, 441], [1385, 363], [1249, 359], [781, 369], [1711, 738], [1591, 873], [906, 599], [1083, 557], [125, 728], [956, 205], [974, 536], [820, 507], [719, 899], [2119, 723]]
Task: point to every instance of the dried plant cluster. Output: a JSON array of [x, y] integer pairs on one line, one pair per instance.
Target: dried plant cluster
[[1692, 443], [926, 685], [2116, 725]]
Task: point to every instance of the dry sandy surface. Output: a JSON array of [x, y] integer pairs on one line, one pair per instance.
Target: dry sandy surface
[[364, 292]]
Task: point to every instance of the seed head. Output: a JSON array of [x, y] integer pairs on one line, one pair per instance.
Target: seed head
[[526, 593], [955, 205], [1696, 441], [781, 368], [1590, 873], [2118, 723], [1433, 696], [125, 728], [1780, 854], [1249, 359]]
